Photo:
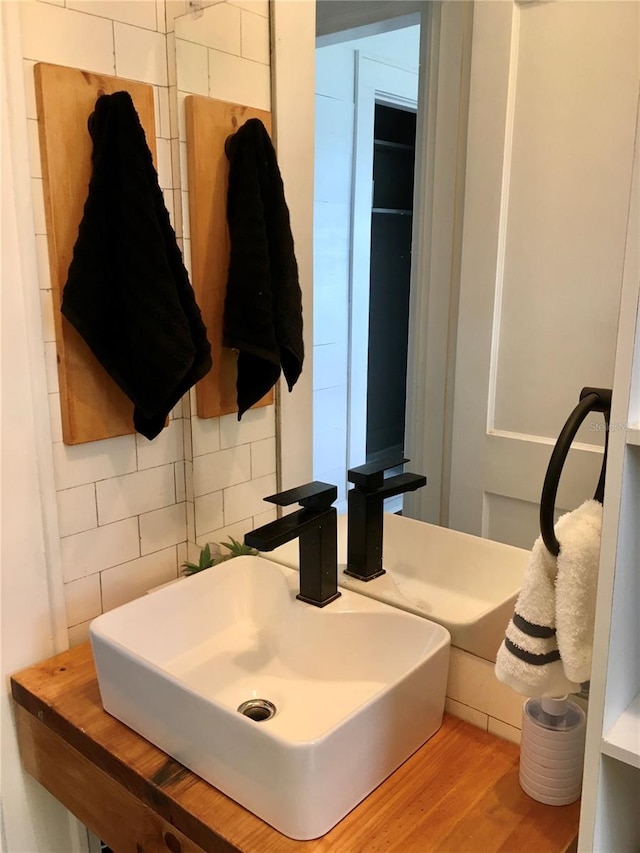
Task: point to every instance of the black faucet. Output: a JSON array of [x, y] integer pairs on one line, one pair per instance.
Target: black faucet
[[316, 527], [366, 513]]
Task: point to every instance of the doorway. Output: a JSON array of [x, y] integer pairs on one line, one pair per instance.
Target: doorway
[[366, 99], [390, 278]]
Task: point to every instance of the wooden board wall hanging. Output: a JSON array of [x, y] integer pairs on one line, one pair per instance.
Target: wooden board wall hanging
[[93, 406], [208, 124]]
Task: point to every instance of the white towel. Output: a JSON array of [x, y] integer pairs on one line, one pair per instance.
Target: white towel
[[548, 643], [578, 533]]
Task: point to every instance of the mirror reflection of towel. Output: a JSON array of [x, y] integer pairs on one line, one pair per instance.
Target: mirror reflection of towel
[[263, 305], [128, 292]]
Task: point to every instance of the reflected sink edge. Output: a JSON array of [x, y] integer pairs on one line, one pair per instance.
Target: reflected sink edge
[[476, 624]]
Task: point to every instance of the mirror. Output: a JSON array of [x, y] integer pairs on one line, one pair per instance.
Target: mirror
[[506, 241], [523, 159], [222, 52]]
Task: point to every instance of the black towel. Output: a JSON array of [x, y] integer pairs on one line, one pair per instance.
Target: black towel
[[128, 292], [263, 305]]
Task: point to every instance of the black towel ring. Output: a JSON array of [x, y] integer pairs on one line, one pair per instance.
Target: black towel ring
[[591, 400]]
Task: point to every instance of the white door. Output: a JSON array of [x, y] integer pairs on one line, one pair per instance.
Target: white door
[[554, 89]]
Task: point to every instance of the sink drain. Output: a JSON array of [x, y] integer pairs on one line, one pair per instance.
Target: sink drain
[[258, 709]]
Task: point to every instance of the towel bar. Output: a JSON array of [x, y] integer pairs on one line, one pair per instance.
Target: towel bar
[[591, 400]]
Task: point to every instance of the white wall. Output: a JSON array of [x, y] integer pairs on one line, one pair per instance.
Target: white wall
[[32, 619]]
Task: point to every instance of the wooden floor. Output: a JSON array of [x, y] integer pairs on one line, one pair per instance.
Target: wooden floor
[[458, 794]]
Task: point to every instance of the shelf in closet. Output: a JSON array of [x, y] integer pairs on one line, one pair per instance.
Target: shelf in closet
[[622, 741], [396, 146], [397, 211]]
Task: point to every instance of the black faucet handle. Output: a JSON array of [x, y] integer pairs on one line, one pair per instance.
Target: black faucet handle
[[315, 495], [370, 476]]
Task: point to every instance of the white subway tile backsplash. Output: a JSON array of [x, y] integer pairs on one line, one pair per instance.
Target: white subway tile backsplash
[[191, 522], [255, 425], [334, 73], [472, 681], [37, 196], [255, 37], [184, 207], [180, 410], [329, 448], [83, 599], [30, 88], [188, 481], [192, 65], [258, 7], [464, 712], [172, 62], [247, 498], [504, 730], [332, 402], [161, 16], [55, 417], [209, 515], [96, 460], [177, 219], [51, 367], [42, 257], [168, 203], [214, 471], [205, 433], [35, 166], [162, 111], [79, 634], [138, 13], [218, 28], [162, 528], [265, 517], [131, 580], [182, 550], [330, 365], [46, 313], [263, 457], [184, 170], [66, 37], [329, 324], [165, 171], [132, 494], [224, 534], [241, 81], [77, 510], [173, 112], [141, 54], [181, 483], [173, 10], [137, 491], [89, 552], [165, 448]]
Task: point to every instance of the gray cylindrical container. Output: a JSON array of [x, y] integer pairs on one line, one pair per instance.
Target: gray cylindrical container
[[552, 750]]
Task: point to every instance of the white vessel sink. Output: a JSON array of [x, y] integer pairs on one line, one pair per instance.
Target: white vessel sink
[[465, 583], [358, 686]]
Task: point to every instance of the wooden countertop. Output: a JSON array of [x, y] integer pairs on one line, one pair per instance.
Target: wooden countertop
[[458, 793]]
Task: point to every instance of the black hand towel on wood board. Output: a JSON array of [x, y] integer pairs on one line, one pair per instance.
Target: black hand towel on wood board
[[263, 303], [127, 292]]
